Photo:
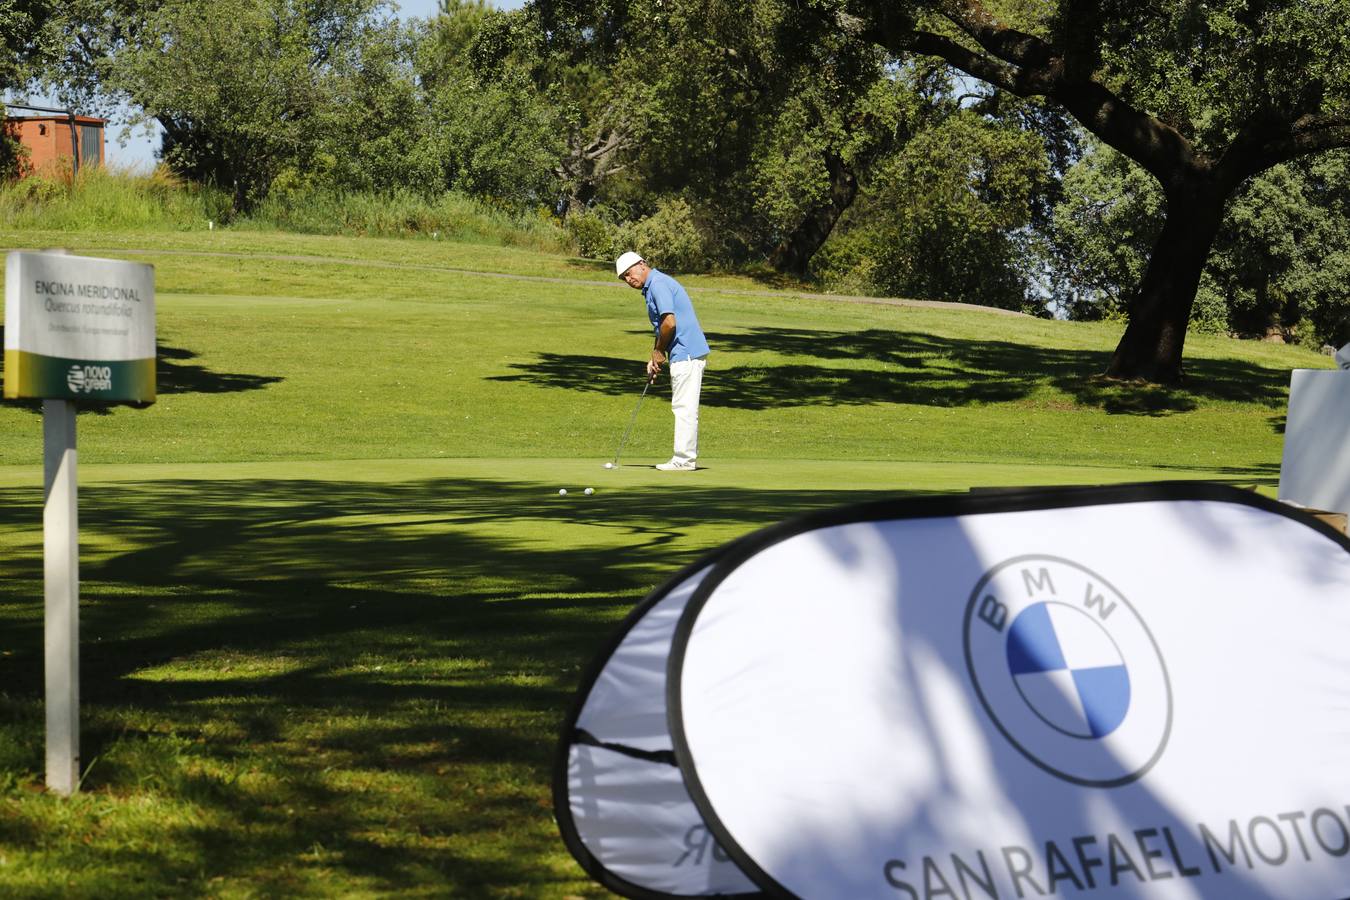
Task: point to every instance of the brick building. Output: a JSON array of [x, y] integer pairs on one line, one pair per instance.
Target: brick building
[[48, 139]]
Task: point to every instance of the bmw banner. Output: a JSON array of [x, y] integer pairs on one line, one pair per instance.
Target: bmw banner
[[1134, 691]]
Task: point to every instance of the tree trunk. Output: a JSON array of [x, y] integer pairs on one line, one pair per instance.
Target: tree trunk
[[794, 254], [579, 196], [1152, 344]]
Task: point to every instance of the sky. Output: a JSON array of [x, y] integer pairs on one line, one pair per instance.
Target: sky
[[139, 149]]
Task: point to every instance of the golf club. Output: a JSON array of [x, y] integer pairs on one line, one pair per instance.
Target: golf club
[[631, 420]]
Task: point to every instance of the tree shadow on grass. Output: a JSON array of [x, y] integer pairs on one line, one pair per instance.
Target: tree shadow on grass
[[1250, 477], [370, 672], [175, 373], [914, 368]]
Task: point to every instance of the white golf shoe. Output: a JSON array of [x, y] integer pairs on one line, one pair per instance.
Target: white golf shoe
[[676, 466]]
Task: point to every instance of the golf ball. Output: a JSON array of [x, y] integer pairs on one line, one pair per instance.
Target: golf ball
[[590, 490], [609, 465], [562, 490]]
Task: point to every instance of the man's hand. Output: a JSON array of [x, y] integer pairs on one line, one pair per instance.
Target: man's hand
[[654, 364]]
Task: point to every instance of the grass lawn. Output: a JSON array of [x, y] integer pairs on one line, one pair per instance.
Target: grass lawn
[[333, 606]]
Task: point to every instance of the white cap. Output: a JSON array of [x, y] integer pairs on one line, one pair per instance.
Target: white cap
[[626, 262]]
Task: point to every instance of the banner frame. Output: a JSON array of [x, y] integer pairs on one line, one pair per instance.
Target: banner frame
[[562, 809]]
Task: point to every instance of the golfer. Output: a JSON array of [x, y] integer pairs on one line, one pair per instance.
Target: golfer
[[679, 341]]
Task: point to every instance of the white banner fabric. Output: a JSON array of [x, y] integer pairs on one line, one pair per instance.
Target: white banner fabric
[[1110, 693], [621, 803]]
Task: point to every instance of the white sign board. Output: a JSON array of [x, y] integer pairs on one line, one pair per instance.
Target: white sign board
[[79, 328], [1315, 468]]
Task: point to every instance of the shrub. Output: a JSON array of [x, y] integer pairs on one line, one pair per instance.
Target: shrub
[[403, 213], [108, 198], [671, 238], [594, 235]]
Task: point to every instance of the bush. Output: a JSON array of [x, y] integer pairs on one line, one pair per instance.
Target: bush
[[1209, 315], [120, 200], [594, 235], [671, 239], [403, 213], [846, 265], [107, 198]]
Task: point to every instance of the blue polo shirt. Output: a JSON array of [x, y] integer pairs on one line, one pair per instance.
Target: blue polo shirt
[[665, 295]]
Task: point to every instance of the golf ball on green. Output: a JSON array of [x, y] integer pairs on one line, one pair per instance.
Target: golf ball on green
[[590, 490], [609, 465], [562, 490]]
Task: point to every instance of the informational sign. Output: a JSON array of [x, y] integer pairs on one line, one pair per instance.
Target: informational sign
[[79, 328], [1104, 693]]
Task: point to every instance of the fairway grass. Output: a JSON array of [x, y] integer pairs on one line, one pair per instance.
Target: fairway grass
[[333, 606]]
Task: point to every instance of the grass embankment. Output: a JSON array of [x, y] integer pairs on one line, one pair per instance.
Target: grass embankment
[[334, 607], [102, 199]]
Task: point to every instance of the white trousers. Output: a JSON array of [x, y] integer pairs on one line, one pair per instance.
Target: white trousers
[[686, 382]]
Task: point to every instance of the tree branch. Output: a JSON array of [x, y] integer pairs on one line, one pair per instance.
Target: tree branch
[[1263, 143], [1008, 44], [999, 74], [1028, 66]]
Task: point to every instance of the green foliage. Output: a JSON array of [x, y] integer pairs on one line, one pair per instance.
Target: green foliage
[[672, 238], [1278, 266], [401, 213], [823, 131], [1213, 69], [595, 235], [448, 39], [498, 140], [30, 40], [247, 88], [1281, 264], [943, 219], [12, 152], [675, 237], [1101, 234], [103, 198], [107, 199], [373, 133]]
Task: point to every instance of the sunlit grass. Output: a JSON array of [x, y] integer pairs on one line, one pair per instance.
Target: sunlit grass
[[333, 606]]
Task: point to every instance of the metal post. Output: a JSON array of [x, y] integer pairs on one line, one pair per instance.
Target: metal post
[[74, 144], [61, 564]]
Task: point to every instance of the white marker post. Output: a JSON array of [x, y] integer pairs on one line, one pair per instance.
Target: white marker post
[[61, 591], [76, 330]]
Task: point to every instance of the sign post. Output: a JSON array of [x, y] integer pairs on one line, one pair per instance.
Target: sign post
[[61, 577], [77, 329]]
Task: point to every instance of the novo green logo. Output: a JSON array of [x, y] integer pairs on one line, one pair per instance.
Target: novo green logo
[[87, 379]]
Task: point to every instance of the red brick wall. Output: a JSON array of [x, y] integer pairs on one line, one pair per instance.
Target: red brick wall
[[48, 140]]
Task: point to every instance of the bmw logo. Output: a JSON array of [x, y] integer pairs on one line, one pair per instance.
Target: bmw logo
[[1067, 671]]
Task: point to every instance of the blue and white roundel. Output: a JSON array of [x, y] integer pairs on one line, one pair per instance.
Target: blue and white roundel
[[1067, 670]]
